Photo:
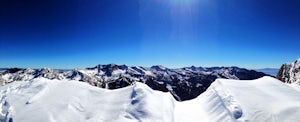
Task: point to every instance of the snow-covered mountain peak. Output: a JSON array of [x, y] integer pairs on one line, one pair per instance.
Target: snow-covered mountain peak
[[297, 63], [46, 70], [194, 68], [29, 70], [159, 68], [298, 60]]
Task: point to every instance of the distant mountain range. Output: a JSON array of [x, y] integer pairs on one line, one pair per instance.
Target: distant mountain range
[[183, 83], [269, 71]]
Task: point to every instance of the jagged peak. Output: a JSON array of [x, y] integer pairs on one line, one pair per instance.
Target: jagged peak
[[297, 61], [158, 67], [46, 70], [193, 67], [109, 65], [29, 70]]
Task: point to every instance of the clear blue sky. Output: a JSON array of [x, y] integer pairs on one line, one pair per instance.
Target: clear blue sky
[[173, 33]]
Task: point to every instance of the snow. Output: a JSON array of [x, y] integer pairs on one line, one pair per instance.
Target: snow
[[6, 77], [118, 72], [91, 72], [264, 99], [149, 73], [43, 100], [295, 86]]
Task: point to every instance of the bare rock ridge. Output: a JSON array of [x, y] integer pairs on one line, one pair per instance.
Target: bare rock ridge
[[290, 72], [183, 83]]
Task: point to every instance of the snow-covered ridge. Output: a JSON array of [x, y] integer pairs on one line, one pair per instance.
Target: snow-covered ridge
[[184, 83], [43, 100], [261, 100], [290, 72]]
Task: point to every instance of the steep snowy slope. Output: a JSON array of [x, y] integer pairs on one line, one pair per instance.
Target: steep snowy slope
[[261, 100]]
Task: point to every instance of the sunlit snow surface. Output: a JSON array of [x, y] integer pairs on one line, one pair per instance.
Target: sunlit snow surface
[[43, 100]]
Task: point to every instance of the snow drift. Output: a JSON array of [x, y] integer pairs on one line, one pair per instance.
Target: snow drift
[[43, 100], [264, 99]]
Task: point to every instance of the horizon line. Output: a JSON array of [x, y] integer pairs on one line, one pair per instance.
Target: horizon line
[[148, 66]]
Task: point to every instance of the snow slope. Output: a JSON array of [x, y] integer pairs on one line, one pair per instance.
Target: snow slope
[[264, 99], [44, 100]]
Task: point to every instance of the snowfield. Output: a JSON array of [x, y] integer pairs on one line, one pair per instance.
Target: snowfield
[[44, 100]]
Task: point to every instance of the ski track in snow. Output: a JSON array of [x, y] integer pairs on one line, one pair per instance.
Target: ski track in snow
[[4, 107], [228, 101]]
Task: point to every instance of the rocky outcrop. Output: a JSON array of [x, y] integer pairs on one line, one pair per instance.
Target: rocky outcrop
[[290, 72]]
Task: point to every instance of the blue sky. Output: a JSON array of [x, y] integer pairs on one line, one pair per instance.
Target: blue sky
[[173, 33]]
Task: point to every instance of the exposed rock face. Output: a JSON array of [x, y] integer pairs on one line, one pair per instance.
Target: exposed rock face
[[184, 83], [290, 72]]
